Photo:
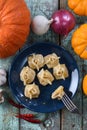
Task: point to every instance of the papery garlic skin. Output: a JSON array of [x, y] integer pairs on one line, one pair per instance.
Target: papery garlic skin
[[40, 24], [3, 77], [1, 96]]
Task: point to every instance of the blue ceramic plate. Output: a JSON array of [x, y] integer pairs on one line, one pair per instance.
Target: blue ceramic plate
[[44, 103]]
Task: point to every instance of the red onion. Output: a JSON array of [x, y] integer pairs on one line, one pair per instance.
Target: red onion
[[63, 22]]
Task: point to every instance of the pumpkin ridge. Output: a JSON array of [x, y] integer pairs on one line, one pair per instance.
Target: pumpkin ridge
[[10, 24], [13, 4], [10, 40], [78, 44], [11, 11], [6, 54], [15, 48], [81, 39], [78, 6], [19, 31], [80, 49], [69, 4], [85, 12], [85, 49], [84, 55], [76, 9], [80, 33], [21, 11], [5, 8], [2, 3], [14, 21]]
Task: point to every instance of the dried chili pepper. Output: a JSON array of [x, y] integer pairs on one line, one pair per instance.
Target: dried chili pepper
[[37, 121], [29, 119], [14, 104], [26, 115]]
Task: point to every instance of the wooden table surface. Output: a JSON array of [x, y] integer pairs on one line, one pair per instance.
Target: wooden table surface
[[60, 120]]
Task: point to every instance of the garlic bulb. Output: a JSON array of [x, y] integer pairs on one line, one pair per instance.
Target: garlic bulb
[[40, 24], [1, 96], [3, 78]]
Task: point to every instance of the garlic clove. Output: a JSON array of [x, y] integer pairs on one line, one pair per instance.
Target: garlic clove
[[3, 72], [40, 24], [1, 96], [2, 99], [2, 80], [3, 77]]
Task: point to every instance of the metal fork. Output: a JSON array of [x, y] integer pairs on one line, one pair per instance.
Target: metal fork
[[71, 106]]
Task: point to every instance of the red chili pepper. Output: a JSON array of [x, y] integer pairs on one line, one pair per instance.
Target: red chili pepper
[[37, 121], [29, 119], [15, 104], [26, 115]]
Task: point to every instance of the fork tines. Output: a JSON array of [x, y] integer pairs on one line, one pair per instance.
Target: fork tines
[[69, 104]]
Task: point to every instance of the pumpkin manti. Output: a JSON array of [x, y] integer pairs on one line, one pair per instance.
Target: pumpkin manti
[[14, 26], [78, 6], [79, 41]]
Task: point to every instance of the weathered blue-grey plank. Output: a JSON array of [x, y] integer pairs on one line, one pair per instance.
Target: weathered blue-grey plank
[[7, 120], [85, 99], [72, 121], [69, 120], [46, 8]]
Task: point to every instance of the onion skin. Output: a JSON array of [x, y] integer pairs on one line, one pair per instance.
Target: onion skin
[[63, 22]]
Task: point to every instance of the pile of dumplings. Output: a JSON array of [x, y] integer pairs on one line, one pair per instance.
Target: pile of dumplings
[[45, 77]]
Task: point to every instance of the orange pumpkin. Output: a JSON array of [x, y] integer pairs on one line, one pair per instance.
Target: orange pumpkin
[[78, 6], [14, 26], [79, 41], [84, 84]]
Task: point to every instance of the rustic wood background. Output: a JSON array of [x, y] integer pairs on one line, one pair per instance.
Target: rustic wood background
[[63, 119]]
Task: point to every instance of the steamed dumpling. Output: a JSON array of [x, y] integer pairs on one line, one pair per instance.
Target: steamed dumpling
[[27, 75], [32, 91], [45, 77], [51, 60], [36, 61], [60, 71], [58, 93]]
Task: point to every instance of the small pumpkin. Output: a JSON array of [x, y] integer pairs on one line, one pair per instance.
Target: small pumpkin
[[14, 26], [78, 6], [79, 41], [84, 84]]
